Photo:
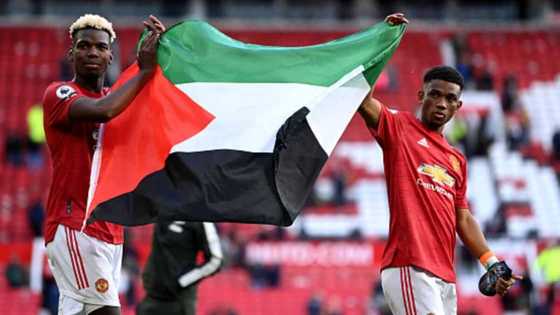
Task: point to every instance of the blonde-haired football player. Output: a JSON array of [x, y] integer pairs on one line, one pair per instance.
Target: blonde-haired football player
[[92, 21], [86, 264]]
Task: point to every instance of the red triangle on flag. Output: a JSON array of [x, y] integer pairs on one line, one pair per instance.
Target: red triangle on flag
[[138, 141]]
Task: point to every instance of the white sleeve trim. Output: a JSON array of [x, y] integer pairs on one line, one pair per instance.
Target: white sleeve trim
[[212, 265]]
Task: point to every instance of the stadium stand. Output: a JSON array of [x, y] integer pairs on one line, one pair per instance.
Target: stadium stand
[[519, 185]]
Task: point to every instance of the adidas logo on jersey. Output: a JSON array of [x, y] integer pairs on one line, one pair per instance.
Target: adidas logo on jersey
[[423, 142]]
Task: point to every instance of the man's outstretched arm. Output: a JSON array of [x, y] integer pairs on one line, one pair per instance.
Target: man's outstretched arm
[[371, 107], [370, 110]]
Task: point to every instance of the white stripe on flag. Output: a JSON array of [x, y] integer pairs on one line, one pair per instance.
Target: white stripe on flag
[[249, 115], [328, 119]]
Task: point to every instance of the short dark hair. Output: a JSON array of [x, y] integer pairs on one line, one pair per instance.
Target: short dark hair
[[444, 73]]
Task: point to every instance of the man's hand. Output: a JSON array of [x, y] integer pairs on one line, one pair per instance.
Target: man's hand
[[396, 19], [503, 285], [147, 55], [154, 24], [498, 279]]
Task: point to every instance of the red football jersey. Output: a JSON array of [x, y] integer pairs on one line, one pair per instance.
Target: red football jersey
[[426, 182], [71, 145]]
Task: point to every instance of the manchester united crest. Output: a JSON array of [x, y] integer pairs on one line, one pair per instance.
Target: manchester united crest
[[101, 285], [455, 163]]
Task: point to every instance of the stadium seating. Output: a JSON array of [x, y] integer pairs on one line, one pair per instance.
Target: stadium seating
[[530, 55], [30, 59], [350, 286], [541, 100], [482, 191], [18, 301]]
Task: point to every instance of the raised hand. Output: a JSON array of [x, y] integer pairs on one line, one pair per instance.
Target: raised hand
[[396, 19], [147, 54], [154, 24], [503, 285]]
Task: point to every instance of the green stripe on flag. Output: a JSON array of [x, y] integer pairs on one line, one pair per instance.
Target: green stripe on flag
[[194, 51]]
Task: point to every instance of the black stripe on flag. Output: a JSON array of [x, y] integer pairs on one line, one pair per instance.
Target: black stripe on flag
[[227, 185]]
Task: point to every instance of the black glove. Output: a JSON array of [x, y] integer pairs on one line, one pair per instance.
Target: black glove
[[487, 284]]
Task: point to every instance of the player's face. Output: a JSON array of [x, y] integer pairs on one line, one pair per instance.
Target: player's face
[[440, 101], [91, 53]]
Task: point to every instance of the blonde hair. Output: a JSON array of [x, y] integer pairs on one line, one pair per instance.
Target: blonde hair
[[92, 21]]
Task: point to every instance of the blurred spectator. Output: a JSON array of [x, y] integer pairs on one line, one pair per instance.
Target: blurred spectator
[[130, 270], [264, 276], [49, 291], [465, 67], [338, 177], [36, 216], [15, 273], [509, 97], [315, 305], [463, 58], [485, 80], [483, 138], [556, 146], [356, 235], [35, 136], [547, 262], [456, 134], [519, 299], [516, 117], [234, 249], [182, 255], [517, 129], [556, 153], [496, 226], [378, 302], [14, 149], [459, 45], [336, 192], [471, 133]]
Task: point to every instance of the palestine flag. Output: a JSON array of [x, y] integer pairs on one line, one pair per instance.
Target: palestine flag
[[229, 131]]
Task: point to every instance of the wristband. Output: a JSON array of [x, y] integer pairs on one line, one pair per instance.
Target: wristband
[[488, 259]]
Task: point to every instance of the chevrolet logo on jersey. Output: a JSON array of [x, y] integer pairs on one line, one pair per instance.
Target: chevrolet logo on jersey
[[438, 174]]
